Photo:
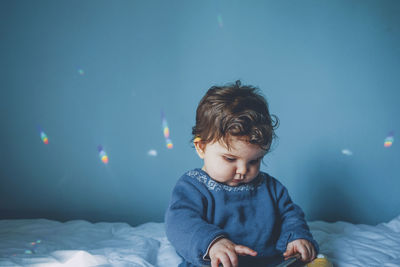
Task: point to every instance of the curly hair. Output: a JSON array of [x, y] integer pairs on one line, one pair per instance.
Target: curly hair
[[235, 110]]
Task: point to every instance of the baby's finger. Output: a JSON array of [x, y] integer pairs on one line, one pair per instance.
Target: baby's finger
[[289, 250], [313, 253], [233, 258], [308, 253], [215, 262], [243, 250], [226, 262], [304, 253]]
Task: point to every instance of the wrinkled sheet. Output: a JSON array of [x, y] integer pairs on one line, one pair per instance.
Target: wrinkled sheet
[[41, 242], [361, 245], [81, 243]]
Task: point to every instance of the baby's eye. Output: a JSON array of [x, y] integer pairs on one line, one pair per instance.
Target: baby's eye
[[229, 159]]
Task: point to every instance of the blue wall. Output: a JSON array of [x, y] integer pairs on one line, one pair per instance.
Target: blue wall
[[330, 70]]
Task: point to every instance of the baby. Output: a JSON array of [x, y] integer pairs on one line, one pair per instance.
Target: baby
[[228, 212]]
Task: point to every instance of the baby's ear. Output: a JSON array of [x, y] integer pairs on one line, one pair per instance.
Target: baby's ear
[[200, 146]]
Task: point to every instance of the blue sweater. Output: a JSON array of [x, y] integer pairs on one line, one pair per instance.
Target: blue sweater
[[259, 215]]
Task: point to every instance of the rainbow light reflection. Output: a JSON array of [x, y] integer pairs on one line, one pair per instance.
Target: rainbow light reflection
[[389, 140], [44, 137], [102, 154], [166, 132]]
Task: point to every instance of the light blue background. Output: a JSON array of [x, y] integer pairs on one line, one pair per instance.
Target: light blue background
[[329, 69]]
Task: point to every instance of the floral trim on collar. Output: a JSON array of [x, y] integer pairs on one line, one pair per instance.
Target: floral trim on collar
[[205, 179]]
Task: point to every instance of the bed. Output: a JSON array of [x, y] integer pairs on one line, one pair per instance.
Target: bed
[[41, 242]]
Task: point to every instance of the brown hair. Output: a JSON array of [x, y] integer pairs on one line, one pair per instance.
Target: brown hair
[[235, 110]]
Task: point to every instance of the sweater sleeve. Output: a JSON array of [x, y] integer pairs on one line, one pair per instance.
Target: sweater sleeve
[[293, 224], [186, 225]]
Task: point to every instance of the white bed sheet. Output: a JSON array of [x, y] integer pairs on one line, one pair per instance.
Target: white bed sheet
[[80, 243], [361, 245]]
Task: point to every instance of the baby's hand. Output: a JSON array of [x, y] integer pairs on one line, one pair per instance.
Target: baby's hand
[[225, 251], [302, 246]]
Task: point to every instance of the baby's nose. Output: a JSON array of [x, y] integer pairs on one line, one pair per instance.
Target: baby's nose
[[241, 170]]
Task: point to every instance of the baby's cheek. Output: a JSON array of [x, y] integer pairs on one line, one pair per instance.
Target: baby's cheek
[[254, 172], [221, 172], [225, 173]]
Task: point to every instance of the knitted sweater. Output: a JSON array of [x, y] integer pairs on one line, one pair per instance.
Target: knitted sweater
[[259, 214]]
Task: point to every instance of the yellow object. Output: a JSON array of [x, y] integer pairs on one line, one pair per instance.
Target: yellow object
[[320, 261]]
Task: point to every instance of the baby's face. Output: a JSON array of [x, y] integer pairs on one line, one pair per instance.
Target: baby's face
[[240, 164]]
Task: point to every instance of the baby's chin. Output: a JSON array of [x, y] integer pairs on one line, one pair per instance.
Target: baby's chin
[[238, 182]]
